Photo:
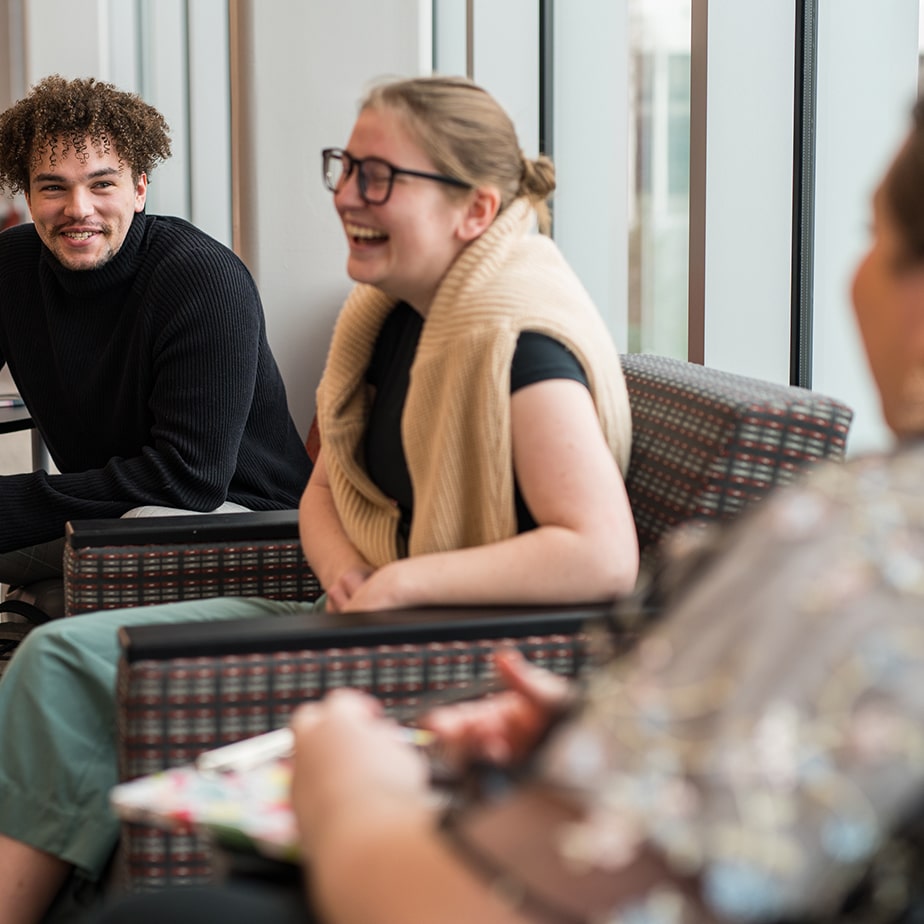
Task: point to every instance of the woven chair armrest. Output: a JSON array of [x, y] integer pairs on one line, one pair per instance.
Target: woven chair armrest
[[206, 527], [318, 631], [185, 688], [117, 563]]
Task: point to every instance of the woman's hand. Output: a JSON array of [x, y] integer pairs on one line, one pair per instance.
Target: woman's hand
[[341, 592], [351, 766], [382, 589], [503, 728], [339, 566]]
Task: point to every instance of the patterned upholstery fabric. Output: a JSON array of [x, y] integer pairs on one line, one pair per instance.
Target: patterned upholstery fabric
[[116, 563], [705, 444]]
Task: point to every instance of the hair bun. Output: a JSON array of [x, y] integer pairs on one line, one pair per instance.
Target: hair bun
[[538, 179]]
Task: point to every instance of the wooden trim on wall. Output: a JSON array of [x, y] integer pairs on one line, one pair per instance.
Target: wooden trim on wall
[[699, 60], [240, 17]]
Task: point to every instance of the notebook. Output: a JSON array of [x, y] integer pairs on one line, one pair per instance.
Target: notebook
[[246, 809], [237, 795]]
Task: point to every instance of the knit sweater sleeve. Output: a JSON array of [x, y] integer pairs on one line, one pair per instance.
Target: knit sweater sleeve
[[173, 407]]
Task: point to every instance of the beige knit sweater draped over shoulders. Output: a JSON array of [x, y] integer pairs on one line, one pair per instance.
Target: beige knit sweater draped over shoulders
[[456, 422]]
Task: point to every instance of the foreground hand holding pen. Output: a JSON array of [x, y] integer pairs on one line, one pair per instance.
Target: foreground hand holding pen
[[350, 760], [504, 728], [479, 733]]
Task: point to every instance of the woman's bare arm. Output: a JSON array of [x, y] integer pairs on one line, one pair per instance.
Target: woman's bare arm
[[585, 546]]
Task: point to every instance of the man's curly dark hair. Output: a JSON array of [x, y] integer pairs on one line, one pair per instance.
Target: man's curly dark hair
[[59, 116]]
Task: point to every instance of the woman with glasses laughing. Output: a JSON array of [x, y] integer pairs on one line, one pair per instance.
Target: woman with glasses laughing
[[474, 419]]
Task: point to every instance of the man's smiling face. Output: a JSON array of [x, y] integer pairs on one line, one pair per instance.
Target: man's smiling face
[[83, 203]]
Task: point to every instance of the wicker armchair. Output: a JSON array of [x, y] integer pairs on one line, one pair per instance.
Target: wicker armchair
[[705, 445]]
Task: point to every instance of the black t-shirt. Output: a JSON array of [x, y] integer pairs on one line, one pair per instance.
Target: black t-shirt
[[536, 359]]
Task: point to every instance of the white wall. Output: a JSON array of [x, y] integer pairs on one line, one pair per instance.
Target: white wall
[[210, 117], [308, 65], [867, 78], [506, 61], [592, 151], [450, 36], [748, 192], [59, 42], [163, 83]]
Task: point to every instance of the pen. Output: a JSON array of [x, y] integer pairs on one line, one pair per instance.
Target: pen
[[261, 749]]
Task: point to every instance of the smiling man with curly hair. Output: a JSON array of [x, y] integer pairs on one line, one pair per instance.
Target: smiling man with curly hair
[[137, 341]]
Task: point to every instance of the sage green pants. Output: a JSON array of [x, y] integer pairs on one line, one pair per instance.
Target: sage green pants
[[58, 725]]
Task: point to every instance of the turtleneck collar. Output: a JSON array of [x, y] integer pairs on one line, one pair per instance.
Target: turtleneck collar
[[116, 271]]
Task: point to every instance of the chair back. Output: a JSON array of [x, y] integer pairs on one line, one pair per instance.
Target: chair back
[[707, 443]]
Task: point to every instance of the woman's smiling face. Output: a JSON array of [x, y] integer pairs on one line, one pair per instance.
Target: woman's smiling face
[[406, 245]]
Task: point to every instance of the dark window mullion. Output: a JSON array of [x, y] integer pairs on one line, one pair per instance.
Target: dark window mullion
[[547, 80], [803, 207]]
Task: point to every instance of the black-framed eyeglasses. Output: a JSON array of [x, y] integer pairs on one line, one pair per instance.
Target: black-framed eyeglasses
[[375, 176]]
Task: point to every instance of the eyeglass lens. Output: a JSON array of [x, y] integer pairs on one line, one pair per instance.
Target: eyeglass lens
[[375, 176], [334, 169]]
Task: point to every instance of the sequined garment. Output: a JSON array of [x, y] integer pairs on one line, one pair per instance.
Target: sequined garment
[[767, 737]]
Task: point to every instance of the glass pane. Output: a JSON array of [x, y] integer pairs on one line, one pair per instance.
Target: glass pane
[[659, 125]]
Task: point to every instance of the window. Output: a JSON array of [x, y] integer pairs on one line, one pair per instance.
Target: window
[[659, 126]]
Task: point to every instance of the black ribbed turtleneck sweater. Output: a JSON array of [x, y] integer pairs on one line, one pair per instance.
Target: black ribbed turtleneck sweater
[[150, 380]]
